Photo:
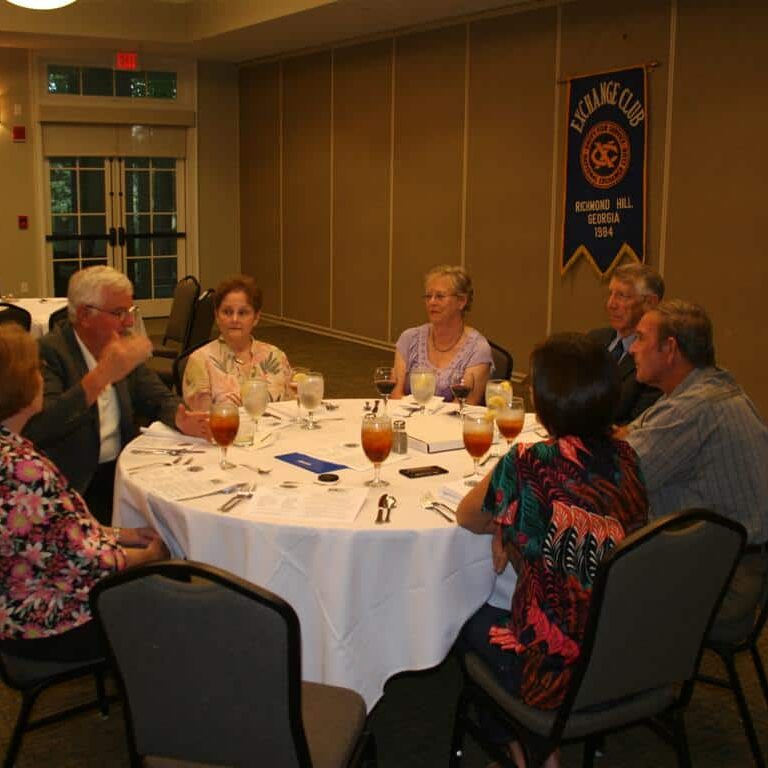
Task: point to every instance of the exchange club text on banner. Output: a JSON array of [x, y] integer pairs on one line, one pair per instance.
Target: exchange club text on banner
[[604, 217]]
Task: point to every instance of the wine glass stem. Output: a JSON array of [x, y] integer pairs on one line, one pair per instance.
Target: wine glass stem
[[255, 424], [311, 418], [476, 462], [223, 461], [376, 472], [461, 406]]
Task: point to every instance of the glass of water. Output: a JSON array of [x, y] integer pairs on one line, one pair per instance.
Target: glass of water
[[254, 394], [423, 383], [310, 395]]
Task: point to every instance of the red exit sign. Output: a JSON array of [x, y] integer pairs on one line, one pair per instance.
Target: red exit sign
[[126, 60]]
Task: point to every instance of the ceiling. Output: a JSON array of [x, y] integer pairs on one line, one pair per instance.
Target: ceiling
[[228, 30]]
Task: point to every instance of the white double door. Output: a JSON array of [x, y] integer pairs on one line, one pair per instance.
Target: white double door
[[127, 212]]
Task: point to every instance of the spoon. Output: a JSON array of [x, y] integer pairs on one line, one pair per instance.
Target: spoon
[[239, 496]]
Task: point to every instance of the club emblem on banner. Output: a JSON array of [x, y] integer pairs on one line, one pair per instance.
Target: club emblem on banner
[[604, 217]]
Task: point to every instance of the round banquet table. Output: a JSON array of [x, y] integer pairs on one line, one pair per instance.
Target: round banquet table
[[373, 600]]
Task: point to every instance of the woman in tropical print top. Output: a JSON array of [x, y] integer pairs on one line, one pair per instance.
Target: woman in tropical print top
[[215, 372], [556, 508]]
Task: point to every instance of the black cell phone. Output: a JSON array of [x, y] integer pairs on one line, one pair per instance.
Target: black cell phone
[[428, 471]]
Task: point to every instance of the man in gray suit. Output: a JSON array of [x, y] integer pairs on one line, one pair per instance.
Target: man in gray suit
[[96, 383], [632, 291]]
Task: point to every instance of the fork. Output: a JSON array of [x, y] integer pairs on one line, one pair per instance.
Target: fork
[[428, 501], [239, 496]]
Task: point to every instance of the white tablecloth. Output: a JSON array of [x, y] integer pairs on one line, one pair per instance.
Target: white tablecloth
[[41, 311], [373, 600]]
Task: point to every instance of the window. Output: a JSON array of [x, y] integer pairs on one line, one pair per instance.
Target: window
[[102, 81]]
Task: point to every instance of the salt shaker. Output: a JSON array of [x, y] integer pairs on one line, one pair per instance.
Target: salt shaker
[[399, 437]]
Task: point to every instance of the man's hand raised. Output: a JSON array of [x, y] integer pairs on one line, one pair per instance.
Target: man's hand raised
[[118, 358]]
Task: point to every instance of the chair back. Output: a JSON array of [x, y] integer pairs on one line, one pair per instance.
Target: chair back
[[201, 329], [209, 665], [58, 319], [654, 598], [180, 318], [502, 361], [10, 313], [180, 365]]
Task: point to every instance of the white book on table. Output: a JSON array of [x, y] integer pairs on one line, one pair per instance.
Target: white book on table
[[434, 434]]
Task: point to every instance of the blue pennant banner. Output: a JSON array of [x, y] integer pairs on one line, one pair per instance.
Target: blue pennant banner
[[604, 217]]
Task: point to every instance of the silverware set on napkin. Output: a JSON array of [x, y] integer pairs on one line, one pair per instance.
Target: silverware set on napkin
[[387, 503], [428, 501]]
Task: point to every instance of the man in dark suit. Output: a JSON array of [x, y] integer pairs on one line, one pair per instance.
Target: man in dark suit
[[96, 383], [633, 289]]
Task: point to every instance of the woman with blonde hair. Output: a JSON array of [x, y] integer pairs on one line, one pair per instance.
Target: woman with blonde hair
[[445, 344]]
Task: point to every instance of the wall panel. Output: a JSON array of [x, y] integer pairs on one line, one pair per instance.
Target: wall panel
[[428, 152], [595, 38], [260, 180], [511, 76], [716, 243], [361, 168], [307, 188]]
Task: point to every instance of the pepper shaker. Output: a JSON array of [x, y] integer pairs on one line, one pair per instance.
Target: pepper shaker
[[399, 437]]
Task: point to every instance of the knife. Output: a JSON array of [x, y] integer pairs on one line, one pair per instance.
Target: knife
[[226, 489]]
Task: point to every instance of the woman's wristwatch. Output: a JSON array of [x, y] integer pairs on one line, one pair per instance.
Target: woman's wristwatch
[[116, 533]]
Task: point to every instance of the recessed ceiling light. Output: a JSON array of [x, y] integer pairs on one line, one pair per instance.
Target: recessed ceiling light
[[41, 5]]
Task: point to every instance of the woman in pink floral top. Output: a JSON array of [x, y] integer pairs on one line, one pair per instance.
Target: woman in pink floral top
[[52, 550], [215, 372]]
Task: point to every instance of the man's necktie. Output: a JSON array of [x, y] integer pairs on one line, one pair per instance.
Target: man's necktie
[[618, 351]]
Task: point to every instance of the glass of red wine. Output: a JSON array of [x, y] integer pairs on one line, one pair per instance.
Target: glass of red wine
[[384, 380], [462, 383]]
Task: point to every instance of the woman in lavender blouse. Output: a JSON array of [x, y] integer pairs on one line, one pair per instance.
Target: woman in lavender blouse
[[446, 343]]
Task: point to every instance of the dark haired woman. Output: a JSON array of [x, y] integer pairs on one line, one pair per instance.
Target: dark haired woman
[[561, 505], [215, 372]]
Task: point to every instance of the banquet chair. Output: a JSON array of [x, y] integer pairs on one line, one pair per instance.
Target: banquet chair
[[642, 644], [202, 320], [10, 313], [58, 319], [176, 336], [210, 669], [502, 361], [728, 638], [31, 677], [180, 365]]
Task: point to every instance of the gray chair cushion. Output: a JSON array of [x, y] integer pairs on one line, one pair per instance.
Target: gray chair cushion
[[580, 722], [333, 719], [26, 672]]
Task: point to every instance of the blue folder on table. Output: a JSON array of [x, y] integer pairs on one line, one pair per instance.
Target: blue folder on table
[[310, 463]]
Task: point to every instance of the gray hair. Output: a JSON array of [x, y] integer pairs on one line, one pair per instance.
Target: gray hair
[[646, 281], [462, 282], [87, 286], [689, 325]]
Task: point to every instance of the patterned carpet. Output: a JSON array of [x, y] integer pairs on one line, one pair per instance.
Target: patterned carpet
[[412, 722]]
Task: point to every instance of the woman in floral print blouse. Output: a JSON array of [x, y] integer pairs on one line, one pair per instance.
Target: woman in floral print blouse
[[52, 550], [556, 508], [215, 372]]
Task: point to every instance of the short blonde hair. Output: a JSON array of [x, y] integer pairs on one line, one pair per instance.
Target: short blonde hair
[[462, 282], [20, 364]]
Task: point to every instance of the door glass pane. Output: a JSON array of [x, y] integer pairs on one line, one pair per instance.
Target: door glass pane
[[94, 225], [137, 162], [63, 79], [64, 225], [164, 162], [97, 81], [65, 249], [63, 191], [165, 278], [164, 223], [140, 274], [62, 270], [90, 162], [136, 191], [92, 192], [164, 191]]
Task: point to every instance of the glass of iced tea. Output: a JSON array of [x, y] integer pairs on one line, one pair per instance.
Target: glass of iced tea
[[384, 380], [510, 419], [376, 437], [477, 430], [462, 383], [310, 396], [225, 421]]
